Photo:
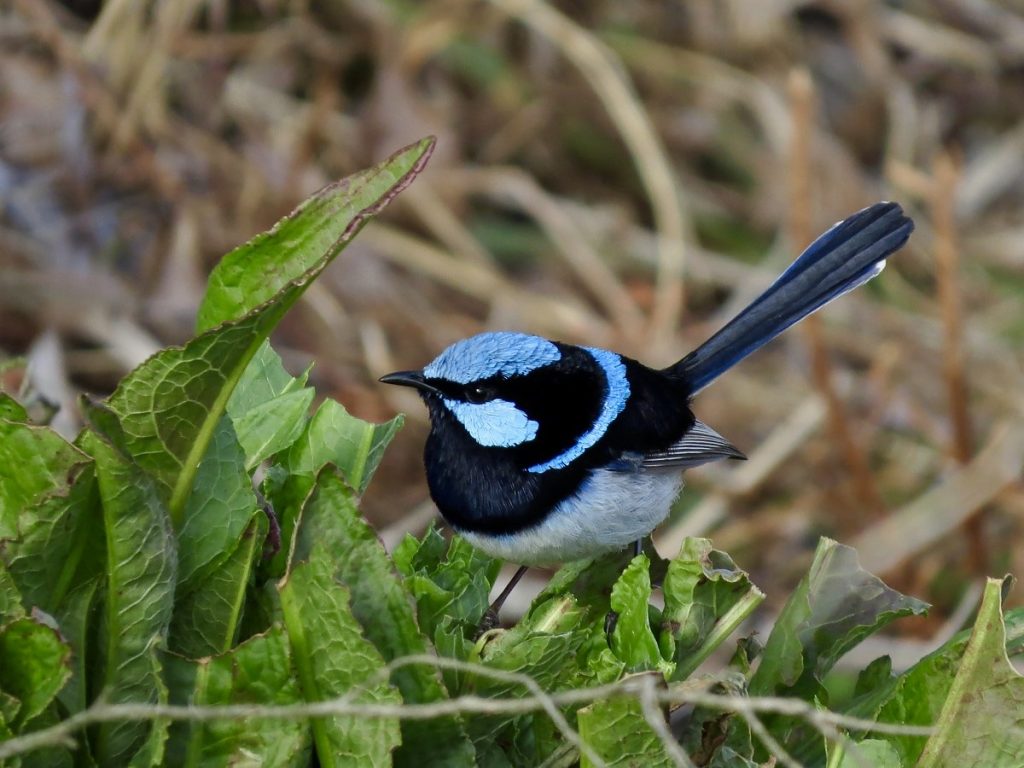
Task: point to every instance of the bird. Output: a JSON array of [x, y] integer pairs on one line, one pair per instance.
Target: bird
[[542, 452]]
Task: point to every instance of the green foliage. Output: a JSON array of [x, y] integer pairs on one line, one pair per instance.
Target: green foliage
[[139, 566]]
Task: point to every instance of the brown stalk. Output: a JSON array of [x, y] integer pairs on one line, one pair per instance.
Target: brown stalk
[[946, 176], [801, 203]]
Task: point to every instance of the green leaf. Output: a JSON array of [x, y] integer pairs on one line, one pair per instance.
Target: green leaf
[[11, 409], [141, 560], [917, 696], [257, 672], [616, 729], [453, 585], [206, 620], [632, 639], [268, 407], [324, 224], [220, 507], [982, 720], [11, 607], [36, 462], [332, 437], [171, 404], [332, 530], [835, 606], [706, 598], [870, 752], [45, 508], [33, 666], [73, 619], [333, 658]]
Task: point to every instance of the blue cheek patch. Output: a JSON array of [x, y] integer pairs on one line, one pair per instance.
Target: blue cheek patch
[[614, 401], [494, 424], [491, 354]]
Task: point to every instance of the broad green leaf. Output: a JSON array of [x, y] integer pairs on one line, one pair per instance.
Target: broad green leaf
[[981, 724], [220, 507], [11, 607], [54, 756], [170, 405], [141, 561], [257, 672], [34, 665], [448, 581], [268, 407], [616, 729], [47, 494], [336, 437], [332, 437], [255, 272], [874, 753], [332, 529], [333, 658], [632, 639], [34, 462], [835, 606], [917, 696], [55, 535], [206, 620], [73, 619], [11, 409], [706, 598], [264, 379]]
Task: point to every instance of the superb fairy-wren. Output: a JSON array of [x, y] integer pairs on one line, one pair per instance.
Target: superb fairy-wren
[[542, 452]]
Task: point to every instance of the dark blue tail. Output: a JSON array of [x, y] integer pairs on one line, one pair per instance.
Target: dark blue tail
[[846, 256]]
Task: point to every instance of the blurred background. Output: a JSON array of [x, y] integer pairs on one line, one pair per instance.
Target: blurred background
[[621, 174]]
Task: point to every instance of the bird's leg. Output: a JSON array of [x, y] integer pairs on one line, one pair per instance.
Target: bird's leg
[[490, 618], [638, 547]]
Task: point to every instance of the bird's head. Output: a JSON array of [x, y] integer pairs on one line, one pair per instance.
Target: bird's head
[[520, 393]]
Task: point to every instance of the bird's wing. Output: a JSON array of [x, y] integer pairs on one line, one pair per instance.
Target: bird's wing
[[699, 446]]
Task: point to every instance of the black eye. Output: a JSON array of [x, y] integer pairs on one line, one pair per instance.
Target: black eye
[[478, 394]]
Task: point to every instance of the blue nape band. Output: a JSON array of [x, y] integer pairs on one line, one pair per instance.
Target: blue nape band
[[616, 395]]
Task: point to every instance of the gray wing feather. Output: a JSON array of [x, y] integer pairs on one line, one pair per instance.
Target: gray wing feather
[[700, 445]]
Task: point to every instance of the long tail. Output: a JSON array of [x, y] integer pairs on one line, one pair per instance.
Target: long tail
[[846, 256]]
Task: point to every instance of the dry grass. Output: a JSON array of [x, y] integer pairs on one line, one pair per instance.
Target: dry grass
[[594, 159]]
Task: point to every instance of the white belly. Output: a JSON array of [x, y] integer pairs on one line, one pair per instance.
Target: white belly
[[610, 511]]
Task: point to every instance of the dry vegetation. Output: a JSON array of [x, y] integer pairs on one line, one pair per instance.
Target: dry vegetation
[[621, 174]]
